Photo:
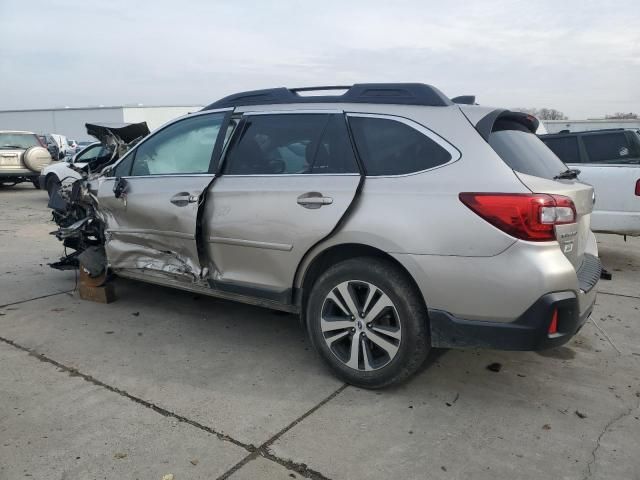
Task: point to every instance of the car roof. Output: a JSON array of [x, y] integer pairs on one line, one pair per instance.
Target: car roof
[[586, 132], [16, 131]]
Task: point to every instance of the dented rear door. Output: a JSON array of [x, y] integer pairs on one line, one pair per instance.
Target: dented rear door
[[151, 226]]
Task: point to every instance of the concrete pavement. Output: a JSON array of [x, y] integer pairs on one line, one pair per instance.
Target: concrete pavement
[[163, 381]]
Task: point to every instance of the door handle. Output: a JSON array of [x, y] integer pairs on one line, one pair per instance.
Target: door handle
[[313, 200], [183, 199]]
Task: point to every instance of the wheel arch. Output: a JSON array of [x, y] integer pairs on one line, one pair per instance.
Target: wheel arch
[[309, 271], [51, 175]]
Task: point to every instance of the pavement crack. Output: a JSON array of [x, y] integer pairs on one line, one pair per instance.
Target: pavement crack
[[593, 320], [606, 428], [162, 411], [36, 298], [618, 295], [254, 452], [263, 450]]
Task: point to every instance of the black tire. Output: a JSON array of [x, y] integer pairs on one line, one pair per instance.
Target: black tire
[[36, 184], [408, 316]]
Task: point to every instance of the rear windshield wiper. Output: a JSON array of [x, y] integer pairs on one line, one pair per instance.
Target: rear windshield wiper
[[568, 174]]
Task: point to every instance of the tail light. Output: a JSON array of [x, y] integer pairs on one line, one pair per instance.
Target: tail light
[[526, 216], [638, 187]]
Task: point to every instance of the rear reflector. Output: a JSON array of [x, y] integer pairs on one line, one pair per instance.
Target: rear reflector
[[638, 187], [553, 326], [526, 216]]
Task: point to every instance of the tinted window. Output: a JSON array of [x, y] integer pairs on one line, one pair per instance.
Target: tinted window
[[523, 151], [335, 154], [291, 144], [389, 147], [123, 169], [610, 148], [566, 148], [182, 148]]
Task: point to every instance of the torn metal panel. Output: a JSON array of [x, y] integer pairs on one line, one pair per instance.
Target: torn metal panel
[[75, 208], [127, 255]]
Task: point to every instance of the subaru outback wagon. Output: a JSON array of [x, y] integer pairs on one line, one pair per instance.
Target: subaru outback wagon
[[390, 218]]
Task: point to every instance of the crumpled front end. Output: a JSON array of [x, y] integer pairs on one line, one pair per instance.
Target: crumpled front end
[[75, 207]]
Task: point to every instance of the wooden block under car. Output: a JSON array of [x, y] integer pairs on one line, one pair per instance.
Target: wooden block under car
[[95, 289]]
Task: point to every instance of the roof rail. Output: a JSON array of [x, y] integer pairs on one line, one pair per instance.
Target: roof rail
[[386, 93]]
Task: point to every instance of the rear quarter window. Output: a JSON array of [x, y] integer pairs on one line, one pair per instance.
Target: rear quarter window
[[523, 151], [610, 148], [390, 147]]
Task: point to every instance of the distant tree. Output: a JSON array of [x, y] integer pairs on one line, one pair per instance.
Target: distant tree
[[622, 116], [543, 113]]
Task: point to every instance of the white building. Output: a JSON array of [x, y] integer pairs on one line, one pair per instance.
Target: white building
[[554, 126], [70, 121]]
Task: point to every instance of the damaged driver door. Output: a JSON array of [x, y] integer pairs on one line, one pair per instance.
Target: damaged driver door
[[150, 201]]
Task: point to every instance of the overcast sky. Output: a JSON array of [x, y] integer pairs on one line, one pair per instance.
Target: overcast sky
[[581, 57]]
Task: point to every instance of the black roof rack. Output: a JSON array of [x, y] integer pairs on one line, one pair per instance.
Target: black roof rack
[[387, 93]]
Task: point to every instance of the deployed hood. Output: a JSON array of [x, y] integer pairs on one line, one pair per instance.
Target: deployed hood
[[117, 133], [117, 137]]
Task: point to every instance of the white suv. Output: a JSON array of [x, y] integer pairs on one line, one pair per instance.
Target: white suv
[[610, 161]]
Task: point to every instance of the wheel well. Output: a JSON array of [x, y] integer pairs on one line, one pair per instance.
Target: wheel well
[[336, 254], [49, 176]]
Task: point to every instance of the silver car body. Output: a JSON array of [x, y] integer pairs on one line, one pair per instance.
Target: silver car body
[[258, 243]]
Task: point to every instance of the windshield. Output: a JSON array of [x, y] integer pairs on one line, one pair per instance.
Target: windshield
[[524, 152], [18, 140]]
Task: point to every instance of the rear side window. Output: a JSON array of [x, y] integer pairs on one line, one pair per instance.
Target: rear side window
[[523, 151], [389, 147], [566, 148], [284, 144], [610, 148]]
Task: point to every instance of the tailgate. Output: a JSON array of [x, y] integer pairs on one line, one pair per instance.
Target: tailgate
[[573, 237], [512, 136]]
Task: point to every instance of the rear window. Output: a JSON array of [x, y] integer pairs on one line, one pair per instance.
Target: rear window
[[523, 151], [18, 140], [389, 147], [566, 148], [610, 148]]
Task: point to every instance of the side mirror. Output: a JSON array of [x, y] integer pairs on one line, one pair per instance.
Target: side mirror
[[61, 155], [120, 187]]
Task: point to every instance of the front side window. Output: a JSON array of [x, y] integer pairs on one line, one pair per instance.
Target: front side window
[[610, 148], [390, 147], [185, 147], [292, 144], [566, 148]]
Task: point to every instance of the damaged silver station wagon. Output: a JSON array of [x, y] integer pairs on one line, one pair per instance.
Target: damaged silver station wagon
[[389, 217]]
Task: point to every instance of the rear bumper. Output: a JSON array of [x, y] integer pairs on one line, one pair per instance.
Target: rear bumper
[[622, 223], [22, 173], [527, 332]]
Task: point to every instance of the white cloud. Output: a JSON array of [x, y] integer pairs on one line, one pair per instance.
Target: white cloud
[[582, 57]]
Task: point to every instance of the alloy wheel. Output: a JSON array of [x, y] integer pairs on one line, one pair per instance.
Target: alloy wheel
[[360, 325]]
